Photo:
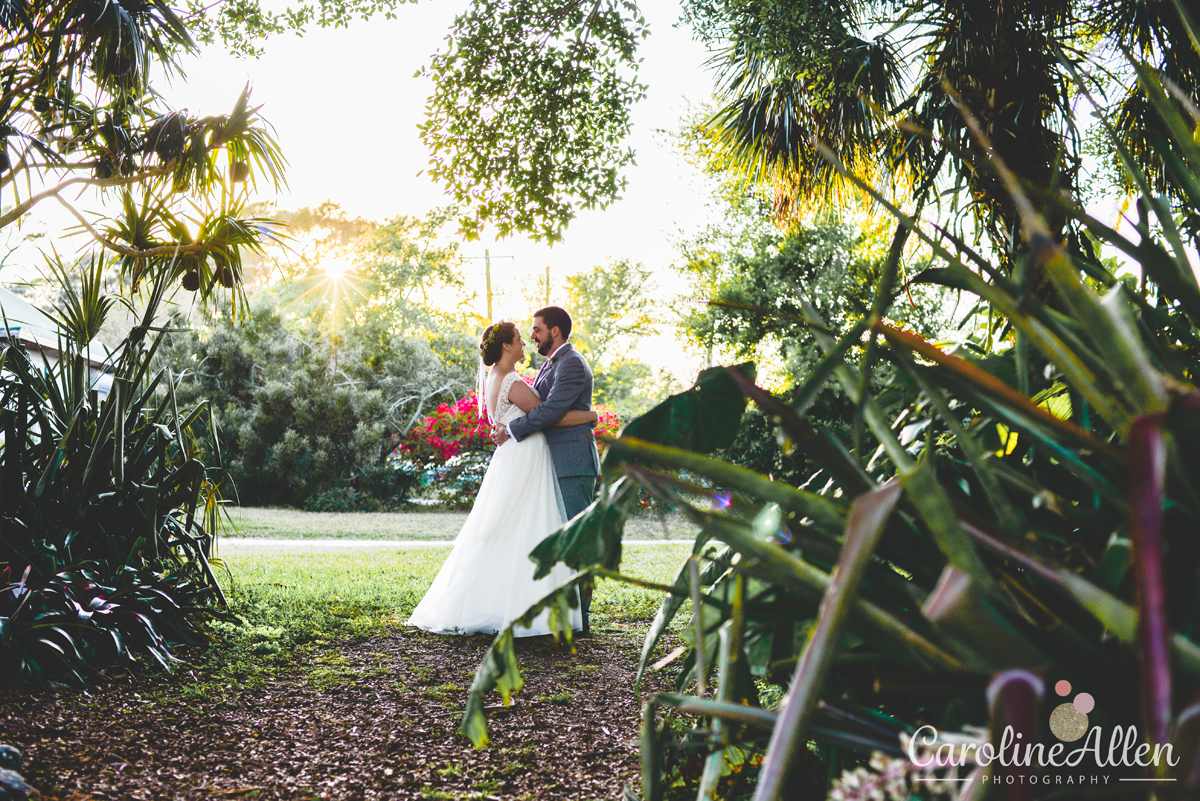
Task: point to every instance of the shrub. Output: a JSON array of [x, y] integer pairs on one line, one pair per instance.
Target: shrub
[[295, 430], [1001, 524], [342, 499], [74, 622]]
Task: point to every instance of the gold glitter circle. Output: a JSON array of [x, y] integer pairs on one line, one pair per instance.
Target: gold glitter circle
[[1067, 723]]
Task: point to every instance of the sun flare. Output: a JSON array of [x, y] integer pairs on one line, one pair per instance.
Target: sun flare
[[336, 268]]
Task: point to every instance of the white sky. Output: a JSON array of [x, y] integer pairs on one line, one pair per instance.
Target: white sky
[[345, 106]]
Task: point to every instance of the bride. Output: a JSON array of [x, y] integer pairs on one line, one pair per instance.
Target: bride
[[487, 581]]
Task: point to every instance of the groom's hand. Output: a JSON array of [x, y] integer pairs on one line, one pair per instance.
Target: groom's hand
[[499, 434]]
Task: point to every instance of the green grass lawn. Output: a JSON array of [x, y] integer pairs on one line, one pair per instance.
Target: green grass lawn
[[294, 524], [292, 604], [393, 581]]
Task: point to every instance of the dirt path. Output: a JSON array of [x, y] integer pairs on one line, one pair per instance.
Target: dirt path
[[377, 721]]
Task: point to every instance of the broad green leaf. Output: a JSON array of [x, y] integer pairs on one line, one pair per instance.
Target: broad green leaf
[[734, 713], [701, 419], [772, 563], [971, 625], [594, 536], [825, 514], [1009, 518], [672, 602], [1122, 619], [498, 670], [935, 508], [818, 446]]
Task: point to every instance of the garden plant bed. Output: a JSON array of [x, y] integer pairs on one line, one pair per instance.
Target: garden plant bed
[[362, 719]]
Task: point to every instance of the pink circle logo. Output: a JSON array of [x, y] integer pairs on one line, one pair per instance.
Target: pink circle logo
[[1069, 721]]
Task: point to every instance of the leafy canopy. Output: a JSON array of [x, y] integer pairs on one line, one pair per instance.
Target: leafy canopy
[[530, 109], [531, 101], [612, 309], [242, 25]]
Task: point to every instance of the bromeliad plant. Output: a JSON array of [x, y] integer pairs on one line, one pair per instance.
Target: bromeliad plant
[[108, 505], [1014, 522]]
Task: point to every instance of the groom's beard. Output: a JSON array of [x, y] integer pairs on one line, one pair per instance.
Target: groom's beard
[[545, 348]]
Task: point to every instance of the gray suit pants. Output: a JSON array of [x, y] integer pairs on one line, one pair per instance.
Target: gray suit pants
[[578, 493]]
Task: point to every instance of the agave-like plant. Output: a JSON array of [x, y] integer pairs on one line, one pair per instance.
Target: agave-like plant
[[108, 503], [1024, 532]]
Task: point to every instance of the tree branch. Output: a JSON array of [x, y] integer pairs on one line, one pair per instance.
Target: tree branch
[[20, 209]]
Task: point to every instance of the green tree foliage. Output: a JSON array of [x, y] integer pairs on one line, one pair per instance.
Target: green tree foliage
[[242, 25], [751, 297], [613, 312], [312, 392], [751, 282], [398, 270], [879, 87], [612, 309], [306, 420], [530, 107], [805, 87], [79, 113], [109, 501]]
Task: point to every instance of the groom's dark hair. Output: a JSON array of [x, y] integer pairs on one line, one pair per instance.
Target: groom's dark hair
[[555, 317]]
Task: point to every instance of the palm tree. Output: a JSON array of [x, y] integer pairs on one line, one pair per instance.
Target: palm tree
[[794, 82]]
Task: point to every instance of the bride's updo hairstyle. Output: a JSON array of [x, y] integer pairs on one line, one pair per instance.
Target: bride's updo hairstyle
[[497, 335]]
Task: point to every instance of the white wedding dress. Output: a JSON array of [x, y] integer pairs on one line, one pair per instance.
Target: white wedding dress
[[487, 581]]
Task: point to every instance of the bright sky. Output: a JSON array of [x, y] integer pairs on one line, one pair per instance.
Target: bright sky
[[345, 106]]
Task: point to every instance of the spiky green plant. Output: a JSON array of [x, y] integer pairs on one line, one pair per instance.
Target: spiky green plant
[[108, 502], [1028, 519]]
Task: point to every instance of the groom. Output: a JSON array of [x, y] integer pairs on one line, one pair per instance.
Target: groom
[[564, 382]]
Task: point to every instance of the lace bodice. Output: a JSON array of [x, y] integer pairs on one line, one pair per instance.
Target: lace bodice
[[505, 409]]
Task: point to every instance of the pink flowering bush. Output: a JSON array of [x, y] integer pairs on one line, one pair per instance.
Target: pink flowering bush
[[609, 424], [451, 430], [452, 447]]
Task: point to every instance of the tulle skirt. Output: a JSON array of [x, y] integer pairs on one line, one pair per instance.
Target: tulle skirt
[[487, 581]]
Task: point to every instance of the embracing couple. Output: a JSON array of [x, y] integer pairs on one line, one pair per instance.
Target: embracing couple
[[542, 474]]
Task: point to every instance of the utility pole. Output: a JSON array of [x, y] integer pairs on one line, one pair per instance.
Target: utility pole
[[487, 269], [487, 272]]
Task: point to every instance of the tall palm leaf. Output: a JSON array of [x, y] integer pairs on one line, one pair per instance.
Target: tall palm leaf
[[774, 112]]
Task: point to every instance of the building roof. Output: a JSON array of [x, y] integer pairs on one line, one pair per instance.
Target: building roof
[[38, 333]]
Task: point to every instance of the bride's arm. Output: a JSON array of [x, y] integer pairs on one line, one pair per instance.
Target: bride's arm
[[527, 400]]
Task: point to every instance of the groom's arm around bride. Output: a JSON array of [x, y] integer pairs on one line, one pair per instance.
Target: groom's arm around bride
[[564, 383]]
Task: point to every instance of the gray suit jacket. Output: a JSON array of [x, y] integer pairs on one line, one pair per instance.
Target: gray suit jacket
[[564, 383]]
